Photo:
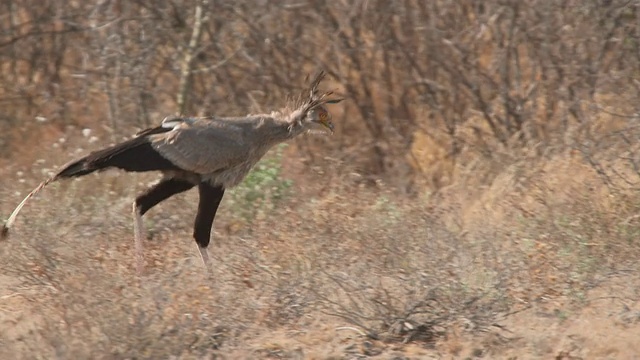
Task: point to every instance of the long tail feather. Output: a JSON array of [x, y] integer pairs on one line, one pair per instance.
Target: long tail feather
[[135, 154], [14, 214]]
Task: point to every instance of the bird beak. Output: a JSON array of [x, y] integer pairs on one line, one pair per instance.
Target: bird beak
[[329, 125]]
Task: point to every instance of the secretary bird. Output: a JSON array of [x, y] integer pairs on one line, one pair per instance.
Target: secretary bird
[[212, 153]]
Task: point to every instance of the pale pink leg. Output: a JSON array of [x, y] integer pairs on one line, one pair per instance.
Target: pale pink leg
[[138, 233], [204, 255]]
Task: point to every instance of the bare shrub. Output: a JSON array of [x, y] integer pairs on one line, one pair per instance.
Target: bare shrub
[[512, 125], [475, 78]]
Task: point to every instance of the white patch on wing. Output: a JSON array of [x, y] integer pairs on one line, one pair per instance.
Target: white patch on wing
[[171, 122]]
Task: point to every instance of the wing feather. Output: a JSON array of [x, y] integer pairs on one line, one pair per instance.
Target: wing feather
[[203, 146]]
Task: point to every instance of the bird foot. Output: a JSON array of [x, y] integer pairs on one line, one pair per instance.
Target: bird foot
[[204, 255]]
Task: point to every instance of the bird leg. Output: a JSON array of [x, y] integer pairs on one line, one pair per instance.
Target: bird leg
[[138, 235], [204, 255], [150, 198], [210, 197]]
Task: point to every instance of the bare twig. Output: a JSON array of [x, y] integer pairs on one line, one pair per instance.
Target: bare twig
[[189, 55]]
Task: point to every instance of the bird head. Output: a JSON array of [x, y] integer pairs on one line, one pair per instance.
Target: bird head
[[318, 120], [312, 106]]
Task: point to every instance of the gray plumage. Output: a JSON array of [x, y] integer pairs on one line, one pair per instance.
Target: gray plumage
[[212, 153], [222, 151]]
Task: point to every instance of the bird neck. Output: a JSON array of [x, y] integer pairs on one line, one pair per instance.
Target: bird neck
[[277, 128], [293, 121]]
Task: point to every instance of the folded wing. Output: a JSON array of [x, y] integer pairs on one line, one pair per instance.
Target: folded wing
[[202, 146]]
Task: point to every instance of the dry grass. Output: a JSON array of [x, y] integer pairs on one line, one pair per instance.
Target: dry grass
[[356, 271]]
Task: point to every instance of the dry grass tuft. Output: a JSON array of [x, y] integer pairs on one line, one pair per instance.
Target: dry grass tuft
[[380, 269]]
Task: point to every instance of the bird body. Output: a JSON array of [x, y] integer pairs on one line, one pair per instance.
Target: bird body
[[212, 153], [234, 145]]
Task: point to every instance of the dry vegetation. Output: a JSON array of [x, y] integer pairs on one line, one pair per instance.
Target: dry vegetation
[[479, 199]]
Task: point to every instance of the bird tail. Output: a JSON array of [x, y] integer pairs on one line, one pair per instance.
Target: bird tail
[[14, 214], [136, 154]]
